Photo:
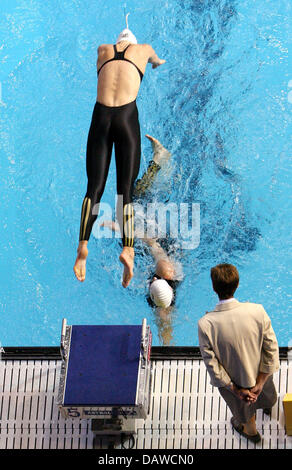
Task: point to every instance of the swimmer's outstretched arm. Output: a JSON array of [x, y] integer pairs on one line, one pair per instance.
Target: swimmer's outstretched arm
[[157, 251], [165, 266], [154, 59]]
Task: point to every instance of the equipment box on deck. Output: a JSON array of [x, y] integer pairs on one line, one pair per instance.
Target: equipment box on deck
[[106, 371]]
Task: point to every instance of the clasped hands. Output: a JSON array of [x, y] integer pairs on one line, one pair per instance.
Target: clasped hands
[[250, 395]]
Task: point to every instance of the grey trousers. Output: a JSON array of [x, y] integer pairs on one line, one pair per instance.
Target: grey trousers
[[241, 410]]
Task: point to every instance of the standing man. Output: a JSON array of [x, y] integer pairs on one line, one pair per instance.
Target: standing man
[[115, 121], [240, 350]]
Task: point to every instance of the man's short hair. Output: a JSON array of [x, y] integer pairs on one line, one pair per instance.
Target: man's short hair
[[225, 280]]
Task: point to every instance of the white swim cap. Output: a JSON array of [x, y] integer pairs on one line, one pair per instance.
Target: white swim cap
[[161, 293], [127, 35]]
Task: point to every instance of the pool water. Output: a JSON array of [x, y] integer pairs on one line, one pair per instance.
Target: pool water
[[221, 104]]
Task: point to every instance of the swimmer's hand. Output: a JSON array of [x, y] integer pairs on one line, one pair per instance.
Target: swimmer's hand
[[111, 225], [154, 59], [157, 63]]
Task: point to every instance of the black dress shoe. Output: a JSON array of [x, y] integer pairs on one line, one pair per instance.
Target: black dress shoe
[[255, 438]]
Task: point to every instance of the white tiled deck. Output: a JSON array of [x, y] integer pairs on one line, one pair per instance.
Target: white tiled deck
[[186, 411]]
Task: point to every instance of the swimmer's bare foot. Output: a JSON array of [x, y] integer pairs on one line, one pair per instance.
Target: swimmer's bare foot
[[127, 258], [152, 140], [80, 263], [161, 154]]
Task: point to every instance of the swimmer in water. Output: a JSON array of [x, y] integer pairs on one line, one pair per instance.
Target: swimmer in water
[[167, 274], [120, 69]]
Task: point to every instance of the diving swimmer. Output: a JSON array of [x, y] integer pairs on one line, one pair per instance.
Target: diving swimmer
[[120, 69], [168, 273]]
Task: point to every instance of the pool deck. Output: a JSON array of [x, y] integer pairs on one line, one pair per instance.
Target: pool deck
[[186, 412]]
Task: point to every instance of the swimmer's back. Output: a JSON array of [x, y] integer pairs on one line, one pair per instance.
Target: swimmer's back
[[119, 80]]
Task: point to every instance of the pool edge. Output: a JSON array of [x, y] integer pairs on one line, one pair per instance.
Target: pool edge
[[157, 352]]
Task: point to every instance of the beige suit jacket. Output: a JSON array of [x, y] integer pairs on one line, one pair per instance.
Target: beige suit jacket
[[237, 342]]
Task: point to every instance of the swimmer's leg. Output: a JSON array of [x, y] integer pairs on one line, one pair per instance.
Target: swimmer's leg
[[160, 156], [98, 156], [128, 154], [143, 184]]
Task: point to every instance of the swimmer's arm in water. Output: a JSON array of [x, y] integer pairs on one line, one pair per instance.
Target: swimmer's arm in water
[[165, 267], [154, 59], [157, 251]]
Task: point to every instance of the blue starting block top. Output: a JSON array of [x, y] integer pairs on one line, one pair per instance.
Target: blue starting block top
[[103, 365]]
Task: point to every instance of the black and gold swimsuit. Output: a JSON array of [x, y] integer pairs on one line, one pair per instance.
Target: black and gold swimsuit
[[118, 126]]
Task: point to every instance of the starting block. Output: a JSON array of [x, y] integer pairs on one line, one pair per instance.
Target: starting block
[[106, 375]]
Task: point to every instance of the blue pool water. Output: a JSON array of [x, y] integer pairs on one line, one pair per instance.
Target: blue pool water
[[221, 104]]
